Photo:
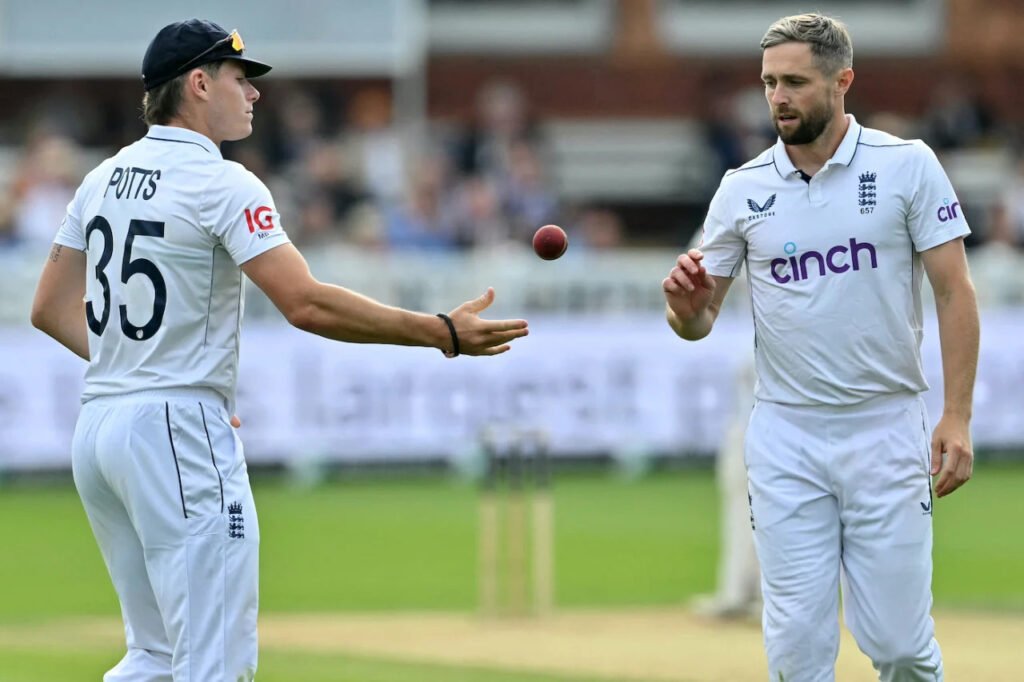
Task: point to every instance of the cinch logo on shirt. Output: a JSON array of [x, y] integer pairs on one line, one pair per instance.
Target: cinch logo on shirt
[[948, 211], [262, 217], [838, 259]]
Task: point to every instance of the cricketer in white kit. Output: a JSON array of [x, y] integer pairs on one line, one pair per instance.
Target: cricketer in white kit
[[836, 224], [145, 281]]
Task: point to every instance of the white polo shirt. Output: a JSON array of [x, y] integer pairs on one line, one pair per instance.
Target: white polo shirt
[[834, 265], [166, 222]]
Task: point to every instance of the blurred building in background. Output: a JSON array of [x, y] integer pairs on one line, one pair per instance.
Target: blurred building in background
[[407, 138]]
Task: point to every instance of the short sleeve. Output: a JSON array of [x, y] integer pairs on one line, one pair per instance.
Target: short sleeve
[[723, 246], [935, 215], [239, 211]]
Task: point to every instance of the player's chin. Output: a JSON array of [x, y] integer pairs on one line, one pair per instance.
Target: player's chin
[[242, 131]]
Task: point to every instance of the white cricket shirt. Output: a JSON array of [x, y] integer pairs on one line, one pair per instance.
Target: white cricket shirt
[[165, 223], [834, 265]]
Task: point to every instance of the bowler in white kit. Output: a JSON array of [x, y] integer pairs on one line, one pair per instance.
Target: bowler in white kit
[[145, 282], [836, 225]]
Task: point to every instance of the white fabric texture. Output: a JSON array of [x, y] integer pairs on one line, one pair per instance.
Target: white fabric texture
[[844, 491], [834, 264], [164, 483], [165, 224]]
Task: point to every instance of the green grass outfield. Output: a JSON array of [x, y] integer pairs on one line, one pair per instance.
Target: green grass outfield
[[373, 545]]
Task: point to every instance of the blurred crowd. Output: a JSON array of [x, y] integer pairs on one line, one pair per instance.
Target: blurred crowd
[[343, 170], [340, 174]]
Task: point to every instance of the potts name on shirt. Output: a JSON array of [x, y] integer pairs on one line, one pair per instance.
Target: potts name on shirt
[[133, 183]]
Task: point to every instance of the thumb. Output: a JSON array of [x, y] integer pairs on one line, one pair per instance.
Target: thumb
[[479, 304], [235, 421], [936, 454]]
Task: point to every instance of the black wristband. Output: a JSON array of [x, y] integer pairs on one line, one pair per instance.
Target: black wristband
[[455, 337]]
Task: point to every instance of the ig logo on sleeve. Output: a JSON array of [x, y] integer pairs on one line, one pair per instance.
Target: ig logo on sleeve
[[262, 218]]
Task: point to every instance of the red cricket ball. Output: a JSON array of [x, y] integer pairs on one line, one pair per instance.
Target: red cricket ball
[[550, 242]]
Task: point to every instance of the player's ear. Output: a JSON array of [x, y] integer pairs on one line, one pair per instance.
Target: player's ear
[[843, 81], [197, 81]]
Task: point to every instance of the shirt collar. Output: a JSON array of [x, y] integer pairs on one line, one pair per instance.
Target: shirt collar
[[186, 135], [843, 155]]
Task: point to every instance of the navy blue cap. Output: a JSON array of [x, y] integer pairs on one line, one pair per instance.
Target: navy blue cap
[[185, 45]]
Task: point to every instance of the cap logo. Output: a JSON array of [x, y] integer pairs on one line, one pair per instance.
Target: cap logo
[[236, 41]]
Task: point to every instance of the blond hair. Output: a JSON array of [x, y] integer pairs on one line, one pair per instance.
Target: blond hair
[[161, 104], [829, 39]]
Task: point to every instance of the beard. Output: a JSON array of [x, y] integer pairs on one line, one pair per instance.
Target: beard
[[812, 125]]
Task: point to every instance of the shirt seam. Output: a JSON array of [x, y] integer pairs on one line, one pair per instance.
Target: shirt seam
[[169, 139], [746, 168]]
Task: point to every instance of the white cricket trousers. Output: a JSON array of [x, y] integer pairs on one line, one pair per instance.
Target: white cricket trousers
[[163, 481], [844, 491]]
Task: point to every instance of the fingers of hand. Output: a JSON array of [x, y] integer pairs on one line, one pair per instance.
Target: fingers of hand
[[683, 280], [476, 305], [493, 350], [491, 335], [689, 265], [497, 326], [480, 303], [957, 471], [936, 456]]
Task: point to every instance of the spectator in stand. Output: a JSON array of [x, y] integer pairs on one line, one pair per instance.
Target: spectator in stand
[[364, 227], [422, 220], [327, 170], [477, 216], [997, 264], [373, 145], [724, 130], [597, 229], [44, 185], [300, 128], [501, 120], [525, 195], [1011, 207], [956, 117], [318, 222]]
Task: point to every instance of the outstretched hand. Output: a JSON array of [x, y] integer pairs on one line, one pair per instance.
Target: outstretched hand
[[484, 337], [688, 288]]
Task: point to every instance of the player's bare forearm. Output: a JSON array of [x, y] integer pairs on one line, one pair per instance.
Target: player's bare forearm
[[959, 334], [70, 330], [952, 456], [59, 306], [344, 315], [336, 312], [959, 329]]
